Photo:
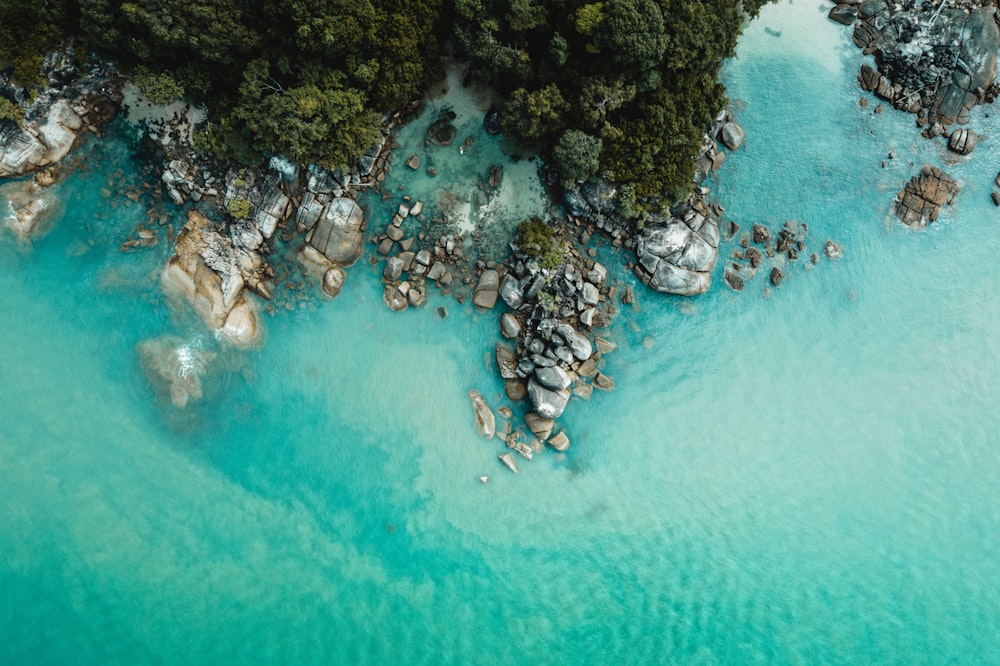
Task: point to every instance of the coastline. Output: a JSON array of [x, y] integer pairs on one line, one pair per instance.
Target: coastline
[[802, 478]]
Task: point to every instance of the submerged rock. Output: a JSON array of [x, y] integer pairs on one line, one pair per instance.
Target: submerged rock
[[174, 368], [485, 420]]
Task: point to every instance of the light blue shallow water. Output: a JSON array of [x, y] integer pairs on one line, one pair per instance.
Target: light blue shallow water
[[807, 478]]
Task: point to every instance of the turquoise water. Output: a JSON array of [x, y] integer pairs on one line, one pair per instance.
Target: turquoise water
[[809, 477]]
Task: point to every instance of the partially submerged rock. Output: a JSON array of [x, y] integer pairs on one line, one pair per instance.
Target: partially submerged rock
[[211, 273], [485, 420], [920, 201], [29, 208]]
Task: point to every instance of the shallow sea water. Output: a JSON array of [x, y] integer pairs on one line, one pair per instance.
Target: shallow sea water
[[809, 477]]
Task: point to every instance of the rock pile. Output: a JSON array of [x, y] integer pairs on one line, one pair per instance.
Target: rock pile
[[937, 60]]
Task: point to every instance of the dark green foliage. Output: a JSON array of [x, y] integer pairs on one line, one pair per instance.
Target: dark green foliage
[[538, 240], [10, 111], [639, 75], [631, 84], [577, 155], [159, 88]]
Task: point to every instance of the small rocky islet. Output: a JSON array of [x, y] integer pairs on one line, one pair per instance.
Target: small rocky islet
[[225, 261]]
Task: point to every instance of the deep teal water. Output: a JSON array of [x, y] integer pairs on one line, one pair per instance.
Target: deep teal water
[[809, 477]]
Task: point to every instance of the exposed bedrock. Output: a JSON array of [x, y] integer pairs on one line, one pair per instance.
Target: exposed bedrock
[[676, 255]]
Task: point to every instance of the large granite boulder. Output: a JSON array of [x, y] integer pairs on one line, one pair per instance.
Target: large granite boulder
[[210, 273], [487, 290], [340, 232], [676, 256], [38, 144]]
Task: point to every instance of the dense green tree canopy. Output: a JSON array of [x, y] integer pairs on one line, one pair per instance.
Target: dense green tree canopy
[[618, 88]]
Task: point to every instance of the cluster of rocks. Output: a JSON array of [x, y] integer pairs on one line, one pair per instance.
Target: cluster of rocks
[[71, 103], [595, 202], [936, 60], [920, 201], [212, 272], [761, 248], [553, 351]]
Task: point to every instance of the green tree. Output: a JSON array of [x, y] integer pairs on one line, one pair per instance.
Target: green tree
[[531, 115], [577, 155], [633, 31], [159, 88]]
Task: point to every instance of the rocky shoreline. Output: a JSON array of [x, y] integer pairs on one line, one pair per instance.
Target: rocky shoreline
[[938, 62], [226, 262]]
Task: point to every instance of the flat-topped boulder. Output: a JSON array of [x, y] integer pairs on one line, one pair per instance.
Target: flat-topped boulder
[[487, 290], [920, 201], [340, 232]]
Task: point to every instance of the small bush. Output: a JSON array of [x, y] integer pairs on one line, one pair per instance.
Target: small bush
[[239, 208], [538, 240]]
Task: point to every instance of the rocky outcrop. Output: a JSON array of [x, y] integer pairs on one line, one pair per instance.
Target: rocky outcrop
[[677, 255], [211, 273], [29, 208], [937, 60], [70, 105], [920, 201]]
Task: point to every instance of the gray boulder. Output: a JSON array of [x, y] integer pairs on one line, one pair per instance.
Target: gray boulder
[[393, 269], [510, 292], [677, 256], [554, 378], [732, 135], [506, 361], [510, 327], [487, 290], [546, 402], [578, 344], [340, 232], [962, 141]]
